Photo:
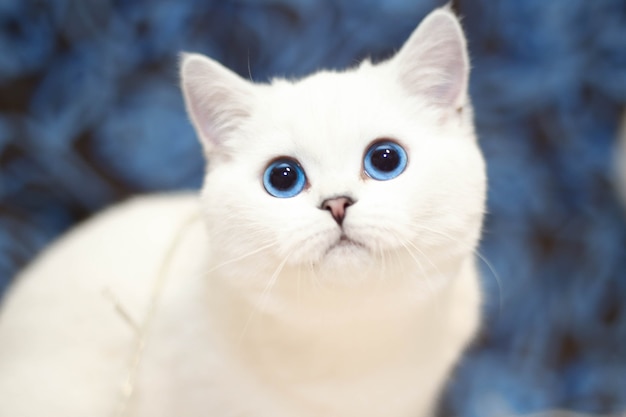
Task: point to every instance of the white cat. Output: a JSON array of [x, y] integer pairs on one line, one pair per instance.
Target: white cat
[[326, 271]]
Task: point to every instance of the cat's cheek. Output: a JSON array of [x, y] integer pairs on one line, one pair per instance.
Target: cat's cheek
[[383, 217], [298, 230], [309, 249]]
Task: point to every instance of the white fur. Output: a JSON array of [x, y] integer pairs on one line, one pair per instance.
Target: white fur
[[261, 314]]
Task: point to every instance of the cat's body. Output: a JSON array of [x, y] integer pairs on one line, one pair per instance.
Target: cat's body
[[352, 295]]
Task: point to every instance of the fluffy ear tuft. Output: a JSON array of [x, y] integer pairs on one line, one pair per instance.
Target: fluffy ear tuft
[[433, 63], [216, 98]]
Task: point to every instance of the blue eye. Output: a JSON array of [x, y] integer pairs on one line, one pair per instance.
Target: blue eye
[[385, 160], [284, 178]]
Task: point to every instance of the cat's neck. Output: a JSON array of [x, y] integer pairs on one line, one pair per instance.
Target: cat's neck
[[303, 309], [383, 336], [300, 295]]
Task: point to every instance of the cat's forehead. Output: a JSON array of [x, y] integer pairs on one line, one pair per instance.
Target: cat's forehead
[[326, 112], [329, 98]]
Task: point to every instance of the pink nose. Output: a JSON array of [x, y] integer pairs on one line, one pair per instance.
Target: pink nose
[[337, 207]]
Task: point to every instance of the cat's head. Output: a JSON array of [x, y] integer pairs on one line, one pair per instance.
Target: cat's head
[[371, 169]]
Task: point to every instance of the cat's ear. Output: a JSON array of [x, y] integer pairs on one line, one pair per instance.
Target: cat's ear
[[216, 98], [433, 63]]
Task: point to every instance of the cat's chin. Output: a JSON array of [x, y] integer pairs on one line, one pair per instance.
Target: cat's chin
[[345, 256], [346, 246]]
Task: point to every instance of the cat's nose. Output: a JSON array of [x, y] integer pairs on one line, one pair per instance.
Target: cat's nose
[[337, 207]]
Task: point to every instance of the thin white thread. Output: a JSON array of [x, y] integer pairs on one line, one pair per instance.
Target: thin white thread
[[129, 385]]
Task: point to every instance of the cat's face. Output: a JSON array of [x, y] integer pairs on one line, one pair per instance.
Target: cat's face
[[356, 171]]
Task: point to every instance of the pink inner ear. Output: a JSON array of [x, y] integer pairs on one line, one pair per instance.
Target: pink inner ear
[[448, 82], [433, 63], [216, 99]]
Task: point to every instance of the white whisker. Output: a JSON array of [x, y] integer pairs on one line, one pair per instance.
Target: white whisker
[[408, 245], [478, 254], [264, 297], [244, 256]]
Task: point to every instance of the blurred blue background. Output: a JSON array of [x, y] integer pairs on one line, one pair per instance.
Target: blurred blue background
[[90, 113]]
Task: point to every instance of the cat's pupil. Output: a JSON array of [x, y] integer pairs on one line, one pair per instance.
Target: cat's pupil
[[283, 177], [385, 159]]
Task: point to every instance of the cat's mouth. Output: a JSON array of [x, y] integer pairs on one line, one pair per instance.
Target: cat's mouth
[[344, 242]]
